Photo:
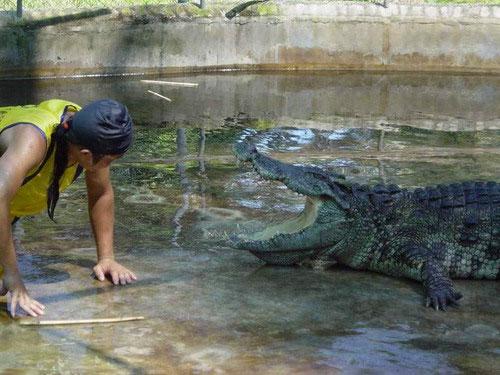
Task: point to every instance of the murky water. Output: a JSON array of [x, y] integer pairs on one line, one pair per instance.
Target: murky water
[[179, 193]]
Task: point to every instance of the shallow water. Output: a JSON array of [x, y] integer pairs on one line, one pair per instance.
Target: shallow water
[[180, 193]]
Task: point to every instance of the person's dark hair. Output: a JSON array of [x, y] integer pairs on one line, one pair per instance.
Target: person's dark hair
[[59, 142], [104, 127]]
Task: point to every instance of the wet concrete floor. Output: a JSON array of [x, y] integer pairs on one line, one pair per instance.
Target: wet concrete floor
[[213, 309]]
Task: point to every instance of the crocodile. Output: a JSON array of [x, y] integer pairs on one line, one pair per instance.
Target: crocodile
[[432, 234]]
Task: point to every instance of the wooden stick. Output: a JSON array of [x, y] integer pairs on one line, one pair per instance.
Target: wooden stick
[[161, 96], [38, 322], [170, 83]]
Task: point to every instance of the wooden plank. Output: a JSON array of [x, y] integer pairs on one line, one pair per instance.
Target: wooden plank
[[159, 95], [170, 83], [38, 322]]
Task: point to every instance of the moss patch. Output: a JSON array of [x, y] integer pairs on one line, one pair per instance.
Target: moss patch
[[268, 9]]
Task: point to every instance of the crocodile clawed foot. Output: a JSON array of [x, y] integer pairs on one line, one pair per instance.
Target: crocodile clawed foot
[[439, 299]]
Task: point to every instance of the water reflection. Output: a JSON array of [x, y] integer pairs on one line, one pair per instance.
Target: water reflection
[[180, 193], [185, 185]]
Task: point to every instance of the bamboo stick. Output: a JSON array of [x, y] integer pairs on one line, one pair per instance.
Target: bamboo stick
[[161, 96], [38, 322], [170, 83]]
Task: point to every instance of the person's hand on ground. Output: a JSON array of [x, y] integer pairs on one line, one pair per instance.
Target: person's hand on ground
[[117, 273], [13, 283]]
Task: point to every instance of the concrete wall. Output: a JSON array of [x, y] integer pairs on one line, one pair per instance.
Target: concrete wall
[[292, 35]]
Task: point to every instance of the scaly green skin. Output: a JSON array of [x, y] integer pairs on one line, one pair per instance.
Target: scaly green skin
[[430, 235]]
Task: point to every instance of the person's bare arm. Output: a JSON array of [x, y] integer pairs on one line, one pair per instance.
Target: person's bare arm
[[101, 211], [23, 148]]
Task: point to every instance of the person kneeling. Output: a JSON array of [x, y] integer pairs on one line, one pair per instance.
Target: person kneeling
[[43, 149]]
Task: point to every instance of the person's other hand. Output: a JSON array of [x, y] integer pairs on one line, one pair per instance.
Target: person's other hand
[[117, 273], [13, 283]]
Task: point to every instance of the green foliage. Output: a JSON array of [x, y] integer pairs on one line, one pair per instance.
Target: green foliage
[[490, 2], [267, 9], [68, 4]]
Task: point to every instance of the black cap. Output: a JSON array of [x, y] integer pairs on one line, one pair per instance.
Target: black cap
[[103, 126]]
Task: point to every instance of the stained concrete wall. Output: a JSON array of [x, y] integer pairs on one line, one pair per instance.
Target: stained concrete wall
[[292, 35]]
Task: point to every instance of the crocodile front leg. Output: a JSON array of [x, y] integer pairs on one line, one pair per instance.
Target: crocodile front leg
[[438, 286], [424, 263]]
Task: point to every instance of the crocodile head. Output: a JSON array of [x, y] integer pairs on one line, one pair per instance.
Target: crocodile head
[[320, 226]]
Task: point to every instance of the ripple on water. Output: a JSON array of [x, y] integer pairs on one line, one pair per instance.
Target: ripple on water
[[144, 198], [209, 359], [133, 350], [219, 213]]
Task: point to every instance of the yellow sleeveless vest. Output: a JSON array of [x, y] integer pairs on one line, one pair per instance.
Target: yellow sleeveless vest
[[31, 198]]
